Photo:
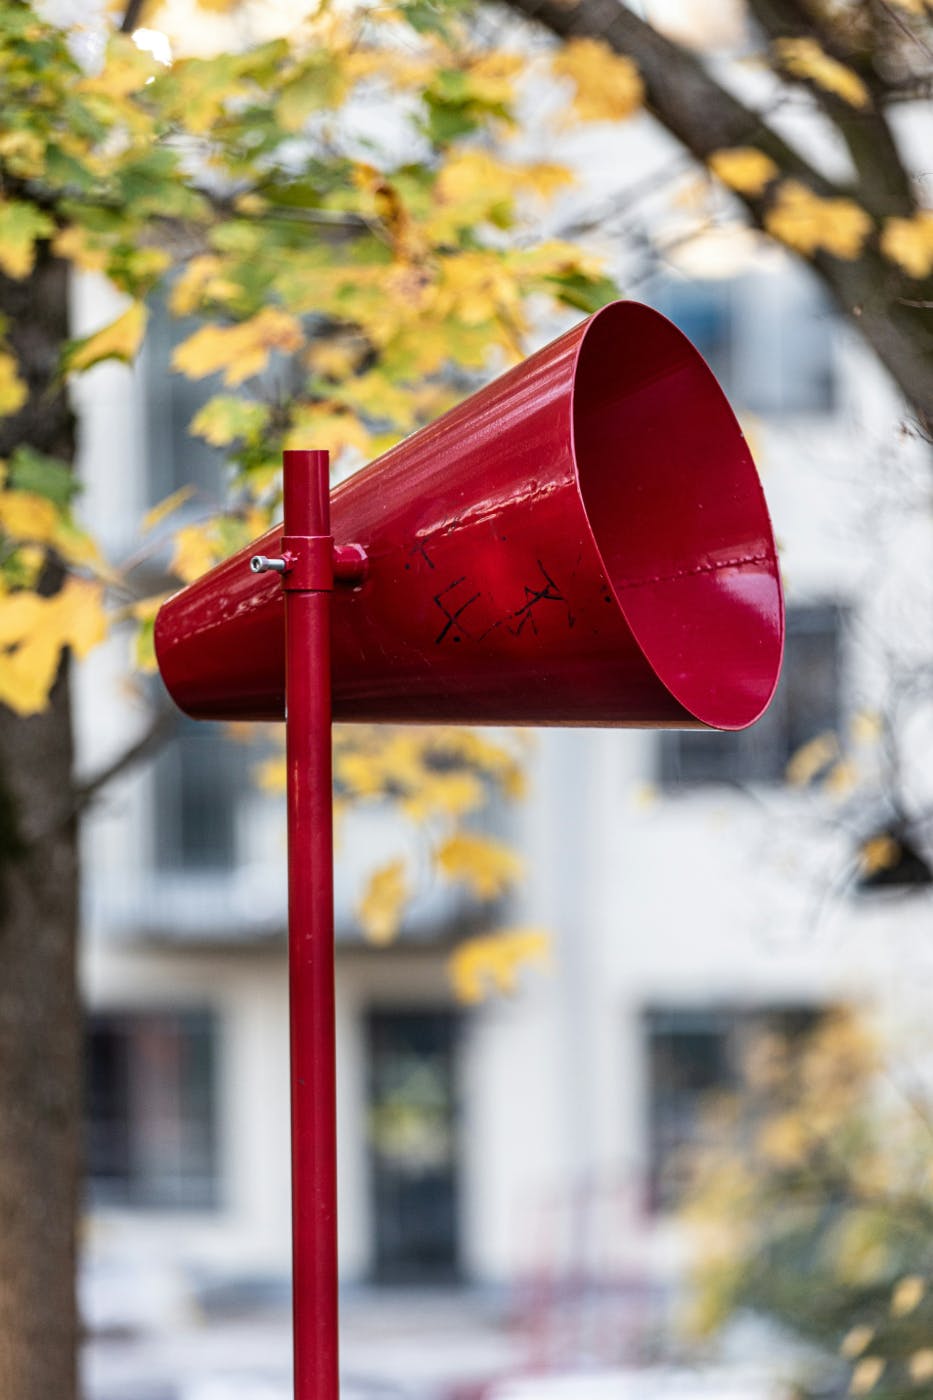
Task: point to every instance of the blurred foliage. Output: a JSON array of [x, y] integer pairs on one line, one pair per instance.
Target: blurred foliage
[[815, 1208], [347, 285]]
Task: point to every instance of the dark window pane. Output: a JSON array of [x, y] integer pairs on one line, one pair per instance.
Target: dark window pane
[[150, 1105], [199, 777], [769, 342], [413, 1148], [693, 1055]]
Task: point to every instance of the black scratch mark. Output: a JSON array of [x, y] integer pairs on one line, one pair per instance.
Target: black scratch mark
[[550, 593], [453, 618], [422, 549]]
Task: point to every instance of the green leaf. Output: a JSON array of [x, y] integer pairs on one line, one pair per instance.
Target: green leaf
[[33, 471], [21, 224], [225, 418], [584, 293]]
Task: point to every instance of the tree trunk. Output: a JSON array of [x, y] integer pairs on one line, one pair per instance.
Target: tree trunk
[[40, 1028]]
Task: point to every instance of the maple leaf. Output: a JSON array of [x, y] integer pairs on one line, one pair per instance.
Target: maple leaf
[[21, 224], [224, 419], [194, 553], [805, 221], [119, 340], [383, 901], [909, 243], [743, 168], [866, 1375], [240, 351], [494, 961], [35, 630], [13, 391], [805, 58], [485, 866], [607, 85]]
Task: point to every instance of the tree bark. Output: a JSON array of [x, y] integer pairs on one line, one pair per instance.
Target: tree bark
[[683, 95], [40, 1027]]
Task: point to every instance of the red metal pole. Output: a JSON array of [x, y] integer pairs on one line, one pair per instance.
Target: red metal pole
[[308, 581]]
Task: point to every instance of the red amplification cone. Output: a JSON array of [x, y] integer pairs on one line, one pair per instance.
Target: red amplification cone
[[584, 541]]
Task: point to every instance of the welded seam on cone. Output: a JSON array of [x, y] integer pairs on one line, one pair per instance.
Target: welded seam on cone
[[700, 569]]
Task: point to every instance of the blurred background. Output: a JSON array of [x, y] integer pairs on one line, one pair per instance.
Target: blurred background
[[690, 1156]]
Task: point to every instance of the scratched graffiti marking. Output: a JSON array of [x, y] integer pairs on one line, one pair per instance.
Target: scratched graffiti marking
[[421, 550], [452, 612], [534, 597]]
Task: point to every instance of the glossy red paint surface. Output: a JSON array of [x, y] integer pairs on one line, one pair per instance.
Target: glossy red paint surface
[[307, 606], [584, 541]]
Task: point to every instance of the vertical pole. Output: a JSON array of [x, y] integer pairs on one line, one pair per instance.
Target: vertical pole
[[308, 581]]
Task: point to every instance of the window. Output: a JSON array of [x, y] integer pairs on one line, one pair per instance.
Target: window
[[199, 778], [693, 1054], [768, 339], [151, 1108], [413, 1144], [807, 703]]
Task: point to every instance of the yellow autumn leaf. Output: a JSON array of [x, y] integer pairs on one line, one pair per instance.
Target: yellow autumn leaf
[[19, 613], [336, 359], [195, 551], [805, 58], [126, 69], [360, 773], [607, 86], [855, 1341], [21, 225], [330, 423], [76, 246], [907, 1295], [165, 508], [805, 221], [80, 616], [878, 853], [866, 727], [920, 1365], [784, 1140], [120, 340], [145, 609], [866, 1375], [33, 632], [492, 76], [13, 391], [226, 417], [447, 794], [493, 961], [811, 759], [195, 284], [909, 243], [241, 351], [484, 865], [383, 902], [841, 779], [743, 168], [23, 153], [26, 516]]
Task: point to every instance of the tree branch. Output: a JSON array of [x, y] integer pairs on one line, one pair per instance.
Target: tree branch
[[680, 91], [704, 117], [132, 16], [884, 186], [144, 747]]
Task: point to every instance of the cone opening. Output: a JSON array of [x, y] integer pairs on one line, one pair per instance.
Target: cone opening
[[678, 515]]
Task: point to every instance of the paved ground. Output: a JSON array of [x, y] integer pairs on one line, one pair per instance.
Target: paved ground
[[393, 1347]]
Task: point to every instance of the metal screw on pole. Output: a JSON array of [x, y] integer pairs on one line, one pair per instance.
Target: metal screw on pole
[[262, 564]]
